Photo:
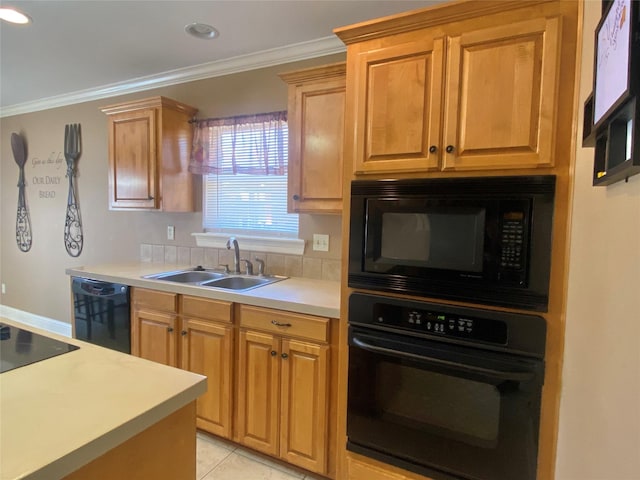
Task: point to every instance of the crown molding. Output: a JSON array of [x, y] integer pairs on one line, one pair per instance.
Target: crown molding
[[252, 61]]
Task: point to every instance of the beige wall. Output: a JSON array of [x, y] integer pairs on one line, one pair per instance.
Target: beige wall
[[599, 435], [35, 281]]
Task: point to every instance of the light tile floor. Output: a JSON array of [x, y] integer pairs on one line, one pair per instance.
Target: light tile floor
[[220, 460]]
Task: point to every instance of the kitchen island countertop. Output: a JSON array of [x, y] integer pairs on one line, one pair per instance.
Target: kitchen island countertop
[[295, 294], [61, 413]]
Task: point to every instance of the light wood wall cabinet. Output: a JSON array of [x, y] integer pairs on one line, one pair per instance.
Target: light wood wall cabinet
[[194, 334], [316, 131], [476, 94], [149, 148], [283, 389]]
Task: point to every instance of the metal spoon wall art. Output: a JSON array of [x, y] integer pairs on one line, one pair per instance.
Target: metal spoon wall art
[[23, 222], [73, 224]]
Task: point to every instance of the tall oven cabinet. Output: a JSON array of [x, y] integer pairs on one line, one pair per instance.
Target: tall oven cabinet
[[464, 89]]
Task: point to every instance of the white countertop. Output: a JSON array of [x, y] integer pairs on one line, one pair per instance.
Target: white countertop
[[61, 413], [295, 294]]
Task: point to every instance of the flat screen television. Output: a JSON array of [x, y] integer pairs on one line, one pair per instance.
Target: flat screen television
[[613, 82]]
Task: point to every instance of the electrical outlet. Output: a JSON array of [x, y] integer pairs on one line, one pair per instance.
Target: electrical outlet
[[171, 232], [4, 288], [320, 242]]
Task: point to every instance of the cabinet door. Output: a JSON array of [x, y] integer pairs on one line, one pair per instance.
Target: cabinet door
[[206, 348], [132, 159], [316, 128], [501, 96], [304, 404], [154, 337], [258, 391], [397, 102]]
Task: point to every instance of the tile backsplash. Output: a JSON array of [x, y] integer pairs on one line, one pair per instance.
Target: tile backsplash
[[275, 264]]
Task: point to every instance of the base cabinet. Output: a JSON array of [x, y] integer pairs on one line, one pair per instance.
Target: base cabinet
[[283, 390], [154, 319], [277, 363], [195, 334], [164, 451], [206, 346]]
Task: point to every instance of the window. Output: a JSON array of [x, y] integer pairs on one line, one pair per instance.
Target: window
[[244, 165]]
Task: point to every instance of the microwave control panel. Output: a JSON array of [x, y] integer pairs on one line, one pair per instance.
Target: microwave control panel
[[512, 240], [439, 323]]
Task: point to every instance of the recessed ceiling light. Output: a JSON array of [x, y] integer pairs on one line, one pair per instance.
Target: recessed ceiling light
[[201, 30], [13, 16]]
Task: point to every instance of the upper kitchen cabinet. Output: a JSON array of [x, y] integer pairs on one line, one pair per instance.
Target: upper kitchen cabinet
[[149, 148], [316, 128], [466, 86]]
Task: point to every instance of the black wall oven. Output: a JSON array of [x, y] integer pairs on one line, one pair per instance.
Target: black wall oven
[[481, 240], [447, 392]]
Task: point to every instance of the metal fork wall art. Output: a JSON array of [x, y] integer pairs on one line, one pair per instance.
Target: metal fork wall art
[[73, 223], [23, 221]]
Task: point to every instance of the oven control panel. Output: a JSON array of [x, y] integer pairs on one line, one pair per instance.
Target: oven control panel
[[440, 323]]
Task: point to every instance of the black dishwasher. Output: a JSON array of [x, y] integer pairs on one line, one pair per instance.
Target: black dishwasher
[[101, 313]]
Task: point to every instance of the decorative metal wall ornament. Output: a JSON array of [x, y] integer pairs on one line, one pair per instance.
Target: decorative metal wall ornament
[[73, 224], [23, 222]]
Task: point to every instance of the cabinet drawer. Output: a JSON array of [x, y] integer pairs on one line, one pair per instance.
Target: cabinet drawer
[[364, 471], [285, 323], [155, 299], [206, 308]]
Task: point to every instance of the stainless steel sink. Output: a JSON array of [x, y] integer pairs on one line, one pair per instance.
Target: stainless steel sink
[[215, 279], [187, 276], [241, 282]]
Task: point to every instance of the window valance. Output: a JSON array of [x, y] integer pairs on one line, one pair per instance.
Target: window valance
[[249, 144]]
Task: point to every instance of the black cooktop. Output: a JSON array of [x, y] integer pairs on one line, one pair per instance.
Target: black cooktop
[[20, 347]]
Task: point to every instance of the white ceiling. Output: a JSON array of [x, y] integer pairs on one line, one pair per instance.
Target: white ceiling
[[87, 49]]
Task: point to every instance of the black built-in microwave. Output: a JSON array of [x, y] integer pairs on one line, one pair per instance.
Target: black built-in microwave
[[483, 240]]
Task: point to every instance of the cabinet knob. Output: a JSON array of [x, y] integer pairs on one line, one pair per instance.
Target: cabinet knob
[[285, 356], [296, 197], [278, 324], [169, 329], [433, 149], [273, 353], [150, 197], [183, 333], [449, 148]]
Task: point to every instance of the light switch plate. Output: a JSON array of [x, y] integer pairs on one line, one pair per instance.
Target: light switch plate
[[171, 232], [320, 242]]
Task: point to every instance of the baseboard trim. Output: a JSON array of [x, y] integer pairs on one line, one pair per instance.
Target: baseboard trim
[[37, 321]]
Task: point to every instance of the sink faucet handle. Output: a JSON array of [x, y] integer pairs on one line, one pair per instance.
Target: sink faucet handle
[[248, 266], [225, 266], [260, 263]]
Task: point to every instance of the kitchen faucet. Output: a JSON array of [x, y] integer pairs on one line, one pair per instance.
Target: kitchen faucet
[[236, 253]]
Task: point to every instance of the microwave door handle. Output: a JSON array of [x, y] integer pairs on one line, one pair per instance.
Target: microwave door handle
[[498, 374]]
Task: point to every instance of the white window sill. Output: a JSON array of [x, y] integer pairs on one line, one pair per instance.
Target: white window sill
[[290, 246]]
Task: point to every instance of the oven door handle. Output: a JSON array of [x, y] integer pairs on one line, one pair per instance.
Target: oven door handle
[[497, 374]]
